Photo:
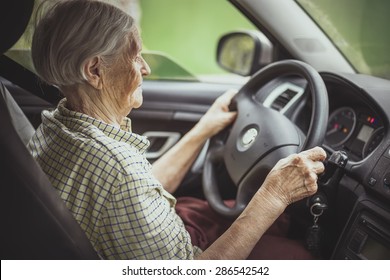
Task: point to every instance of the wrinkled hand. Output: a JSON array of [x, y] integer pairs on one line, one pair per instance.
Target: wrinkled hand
[[218, 116], [295, 177]]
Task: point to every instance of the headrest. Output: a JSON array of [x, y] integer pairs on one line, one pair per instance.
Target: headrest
[[14, 17]]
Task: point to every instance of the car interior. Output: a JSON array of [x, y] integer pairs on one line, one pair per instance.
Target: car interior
[[297, 105]]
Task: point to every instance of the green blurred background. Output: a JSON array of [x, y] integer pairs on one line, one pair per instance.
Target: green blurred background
[[188, 30]]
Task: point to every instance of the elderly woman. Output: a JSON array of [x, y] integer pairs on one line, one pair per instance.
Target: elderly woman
[[92, 52]]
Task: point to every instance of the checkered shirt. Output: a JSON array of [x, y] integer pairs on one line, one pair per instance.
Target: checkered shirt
[[101, 172]]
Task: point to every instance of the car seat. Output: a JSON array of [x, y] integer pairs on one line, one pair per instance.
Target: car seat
[[35, 221]]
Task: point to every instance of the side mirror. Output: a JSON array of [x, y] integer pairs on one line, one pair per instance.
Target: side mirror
[[244, 52]]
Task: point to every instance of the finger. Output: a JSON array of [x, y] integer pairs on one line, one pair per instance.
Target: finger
[[228, 95], [231, 116], [310, 182], [315, 154], [225, 99], [318, 167]]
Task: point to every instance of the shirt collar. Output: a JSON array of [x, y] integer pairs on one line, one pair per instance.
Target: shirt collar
[[122, 134]]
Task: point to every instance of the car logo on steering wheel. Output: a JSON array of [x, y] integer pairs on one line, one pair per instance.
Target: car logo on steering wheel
[[249, 137]]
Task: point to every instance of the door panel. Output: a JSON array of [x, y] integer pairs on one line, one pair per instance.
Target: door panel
[[160, 142], [174, 106]]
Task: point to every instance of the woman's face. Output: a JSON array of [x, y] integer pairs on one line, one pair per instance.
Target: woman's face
[[125, 80]]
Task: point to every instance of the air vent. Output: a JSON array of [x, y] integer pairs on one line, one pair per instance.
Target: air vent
[[283, 97], [282, 100]]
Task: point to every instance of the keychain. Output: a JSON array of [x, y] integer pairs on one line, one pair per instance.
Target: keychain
[[314, 233]]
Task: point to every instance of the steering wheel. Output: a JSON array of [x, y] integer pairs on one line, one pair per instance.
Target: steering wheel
[[261, 136]]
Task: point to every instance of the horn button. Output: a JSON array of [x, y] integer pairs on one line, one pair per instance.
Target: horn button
[[248, 137]]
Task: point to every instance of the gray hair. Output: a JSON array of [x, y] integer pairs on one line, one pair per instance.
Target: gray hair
[[74, 31]]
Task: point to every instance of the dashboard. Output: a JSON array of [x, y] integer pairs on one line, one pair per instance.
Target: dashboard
[[357, 122], [357, 130]]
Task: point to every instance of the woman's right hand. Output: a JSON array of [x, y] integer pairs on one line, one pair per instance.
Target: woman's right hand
[[294, 177]]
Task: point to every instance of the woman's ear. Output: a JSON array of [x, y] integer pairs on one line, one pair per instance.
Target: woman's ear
[[93, 72]]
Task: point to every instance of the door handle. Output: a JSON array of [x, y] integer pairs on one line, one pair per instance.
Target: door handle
[[160, 142]]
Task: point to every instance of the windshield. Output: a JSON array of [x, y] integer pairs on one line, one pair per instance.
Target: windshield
[[358, 28]]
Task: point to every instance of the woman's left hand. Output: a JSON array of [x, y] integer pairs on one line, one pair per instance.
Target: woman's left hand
[[218, 116]]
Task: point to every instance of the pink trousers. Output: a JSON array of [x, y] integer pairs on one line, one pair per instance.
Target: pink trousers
[[205, 226]]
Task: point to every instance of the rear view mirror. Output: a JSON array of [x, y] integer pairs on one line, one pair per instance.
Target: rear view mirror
[[244, 52]]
